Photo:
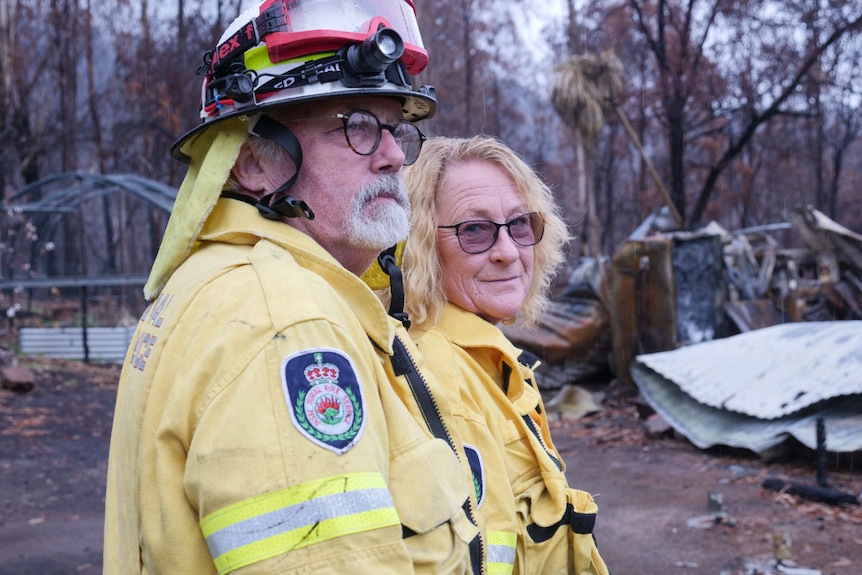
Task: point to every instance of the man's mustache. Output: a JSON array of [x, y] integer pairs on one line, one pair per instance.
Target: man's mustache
[[391, 186]]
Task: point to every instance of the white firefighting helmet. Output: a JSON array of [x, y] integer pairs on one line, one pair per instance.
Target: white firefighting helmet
[[282, 52]]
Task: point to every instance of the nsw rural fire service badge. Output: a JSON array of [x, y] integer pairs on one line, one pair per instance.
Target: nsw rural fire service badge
[[324, 397]]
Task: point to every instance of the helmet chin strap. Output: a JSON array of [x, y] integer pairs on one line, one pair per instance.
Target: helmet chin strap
[[389, 264], [286, 206]]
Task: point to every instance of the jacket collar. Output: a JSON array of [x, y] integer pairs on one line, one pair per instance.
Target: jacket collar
[[239, 223], [467, 329]]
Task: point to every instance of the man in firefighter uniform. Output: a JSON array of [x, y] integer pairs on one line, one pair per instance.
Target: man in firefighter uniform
[[271, 418]]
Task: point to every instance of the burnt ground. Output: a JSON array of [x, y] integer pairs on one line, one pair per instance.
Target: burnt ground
[[652, 491], [653, 496], [53, 460]]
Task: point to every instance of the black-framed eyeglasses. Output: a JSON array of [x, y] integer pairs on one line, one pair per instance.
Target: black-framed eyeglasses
[[478, 236], [363, 131]]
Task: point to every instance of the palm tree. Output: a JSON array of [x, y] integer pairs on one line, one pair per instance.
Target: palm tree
[[587, 89]]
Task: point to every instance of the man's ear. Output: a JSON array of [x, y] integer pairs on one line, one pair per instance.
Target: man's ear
[[249, 173]]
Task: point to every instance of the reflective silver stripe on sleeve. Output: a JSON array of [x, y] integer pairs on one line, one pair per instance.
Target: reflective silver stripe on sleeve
[[296, 517]]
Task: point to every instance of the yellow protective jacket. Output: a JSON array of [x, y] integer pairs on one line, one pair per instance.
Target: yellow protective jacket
[[536, 523], [260, 427]]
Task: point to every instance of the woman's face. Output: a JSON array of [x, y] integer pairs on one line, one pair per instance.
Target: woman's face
[[492, 284]]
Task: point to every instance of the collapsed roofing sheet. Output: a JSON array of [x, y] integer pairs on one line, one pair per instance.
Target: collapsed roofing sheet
[[755, 389], [769, 372], [707, 426]]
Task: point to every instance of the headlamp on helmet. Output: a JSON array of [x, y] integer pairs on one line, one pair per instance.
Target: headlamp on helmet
[[375, 54]]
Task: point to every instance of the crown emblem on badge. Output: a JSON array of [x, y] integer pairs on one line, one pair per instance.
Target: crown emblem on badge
[[321, 372]]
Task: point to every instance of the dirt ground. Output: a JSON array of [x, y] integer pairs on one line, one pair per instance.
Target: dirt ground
[[652, 491]]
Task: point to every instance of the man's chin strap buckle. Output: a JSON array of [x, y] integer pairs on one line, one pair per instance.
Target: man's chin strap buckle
[[396, 286], [286, 207]]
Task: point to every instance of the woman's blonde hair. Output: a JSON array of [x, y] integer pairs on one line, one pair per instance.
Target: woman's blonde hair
[[423, 274]]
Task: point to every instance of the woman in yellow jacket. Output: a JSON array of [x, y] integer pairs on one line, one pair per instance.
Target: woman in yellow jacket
[[485, 241]]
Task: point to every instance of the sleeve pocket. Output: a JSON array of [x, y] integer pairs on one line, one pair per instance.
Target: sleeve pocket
[[428, 485]]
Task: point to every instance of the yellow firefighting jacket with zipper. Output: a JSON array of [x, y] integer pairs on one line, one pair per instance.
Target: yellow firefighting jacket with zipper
[[536, 523], [260, 428]]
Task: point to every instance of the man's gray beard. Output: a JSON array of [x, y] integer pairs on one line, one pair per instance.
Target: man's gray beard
[[384, 224]]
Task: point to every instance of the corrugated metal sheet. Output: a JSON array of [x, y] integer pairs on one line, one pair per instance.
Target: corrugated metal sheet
[[707, 426], [106, 344], [757, 389], [771, 372]]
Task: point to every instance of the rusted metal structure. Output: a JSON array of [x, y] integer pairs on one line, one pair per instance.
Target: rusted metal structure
[[667, 291]]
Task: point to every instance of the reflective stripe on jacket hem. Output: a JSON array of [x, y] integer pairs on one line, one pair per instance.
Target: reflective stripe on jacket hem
[[268, 525], [501, 552]]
